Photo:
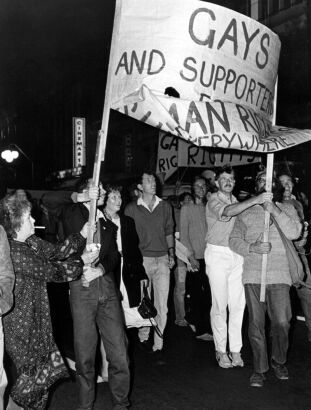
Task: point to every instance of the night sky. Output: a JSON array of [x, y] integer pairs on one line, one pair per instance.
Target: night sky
[[54, 57]]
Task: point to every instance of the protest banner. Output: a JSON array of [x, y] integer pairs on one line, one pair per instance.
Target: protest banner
[[222, 64], [174, 152], [167, 160], [202, 50]]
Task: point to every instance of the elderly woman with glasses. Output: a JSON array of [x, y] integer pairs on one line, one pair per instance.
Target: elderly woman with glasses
[[27, 328]]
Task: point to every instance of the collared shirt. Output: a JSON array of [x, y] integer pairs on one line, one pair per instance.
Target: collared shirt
[[219, 227], [152, 227], [140, 201]]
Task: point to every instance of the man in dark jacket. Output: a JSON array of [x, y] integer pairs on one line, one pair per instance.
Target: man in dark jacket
[[98, 306]]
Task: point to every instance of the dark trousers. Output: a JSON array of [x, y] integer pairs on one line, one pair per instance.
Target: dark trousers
[[278, 306], [304, 293], [198, 300], [98, 306]]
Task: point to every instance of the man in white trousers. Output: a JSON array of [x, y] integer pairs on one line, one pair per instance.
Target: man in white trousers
[[224, 268]]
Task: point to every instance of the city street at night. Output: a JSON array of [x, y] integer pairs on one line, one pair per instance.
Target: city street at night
[[155, 205], [192, 380]]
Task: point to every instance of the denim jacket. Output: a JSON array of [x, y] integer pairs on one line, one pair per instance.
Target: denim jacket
[[7, 276]]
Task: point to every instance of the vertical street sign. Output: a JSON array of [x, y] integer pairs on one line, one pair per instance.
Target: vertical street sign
[[78, 125]]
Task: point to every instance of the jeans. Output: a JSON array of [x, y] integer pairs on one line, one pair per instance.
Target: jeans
[[98, 306], [278, 306], [180, 273], [224, 271], [158, 273], [199, 300]]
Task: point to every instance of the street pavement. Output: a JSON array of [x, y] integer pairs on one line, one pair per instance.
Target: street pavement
[[191, 379]]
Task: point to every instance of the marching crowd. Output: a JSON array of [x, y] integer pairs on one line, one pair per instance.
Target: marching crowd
[[211, 242]]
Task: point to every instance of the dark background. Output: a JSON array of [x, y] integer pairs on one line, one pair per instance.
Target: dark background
[[53, 62]]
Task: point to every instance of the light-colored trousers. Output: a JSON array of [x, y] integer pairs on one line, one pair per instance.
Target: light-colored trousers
[[158, 273], [180, 273], [224, 270]]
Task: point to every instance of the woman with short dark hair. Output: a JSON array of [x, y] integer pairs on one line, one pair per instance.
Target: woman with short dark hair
[[130, 272]]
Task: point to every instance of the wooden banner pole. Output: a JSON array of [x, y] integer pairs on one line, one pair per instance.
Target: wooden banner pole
[[269, 177], [269, 180], [102, 136]]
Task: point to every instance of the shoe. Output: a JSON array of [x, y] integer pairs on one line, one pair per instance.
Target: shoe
[[145, 346], [223, 360], [158, 357], [257, 380], [236, 359], [205, 336], [280, 370], [181, 322], [192, 327]]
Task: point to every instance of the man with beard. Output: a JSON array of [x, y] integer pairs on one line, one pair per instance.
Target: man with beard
[[246, 240], [224, 268]]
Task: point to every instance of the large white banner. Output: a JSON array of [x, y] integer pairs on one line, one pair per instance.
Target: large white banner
[[173, 152], [203, 51], [199, 71]]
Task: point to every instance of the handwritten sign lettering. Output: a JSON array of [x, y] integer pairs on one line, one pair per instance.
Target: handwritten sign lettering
[[222, 64]]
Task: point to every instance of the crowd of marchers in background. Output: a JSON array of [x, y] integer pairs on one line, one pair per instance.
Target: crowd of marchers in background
[[207, 242]]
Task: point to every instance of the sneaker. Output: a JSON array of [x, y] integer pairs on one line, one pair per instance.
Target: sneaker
[[205, 336], [223, 360], [192, 327], [181, 322], [236, 359], [257, 380], [280, 370]]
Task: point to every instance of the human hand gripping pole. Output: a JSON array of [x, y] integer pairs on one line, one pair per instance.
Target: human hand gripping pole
[[89, 271], [99, 156]]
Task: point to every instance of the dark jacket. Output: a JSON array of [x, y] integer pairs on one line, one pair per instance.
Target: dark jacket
[[75, 216], [133, 270]]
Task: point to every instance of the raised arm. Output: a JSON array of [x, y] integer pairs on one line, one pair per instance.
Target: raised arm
[[238, 207]]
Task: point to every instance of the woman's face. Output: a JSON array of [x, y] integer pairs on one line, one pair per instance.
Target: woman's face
[[114, 202], [27, 227], [287, 183], [187, 200]]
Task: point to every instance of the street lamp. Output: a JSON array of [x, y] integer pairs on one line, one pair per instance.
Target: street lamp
[[12, 153]]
